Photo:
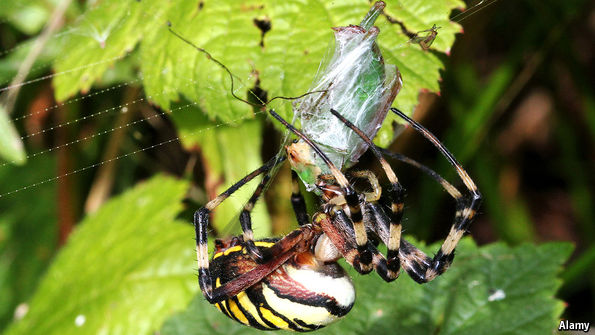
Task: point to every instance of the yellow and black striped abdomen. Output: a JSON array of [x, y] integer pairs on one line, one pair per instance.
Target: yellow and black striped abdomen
[[302, 295]]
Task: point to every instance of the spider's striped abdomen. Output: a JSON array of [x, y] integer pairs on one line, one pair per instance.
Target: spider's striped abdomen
[[302, 295]]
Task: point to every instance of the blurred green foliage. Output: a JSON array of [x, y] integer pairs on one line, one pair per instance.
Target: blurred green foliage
[[11, 147], [28, 233], [112, 275], [517, 108]]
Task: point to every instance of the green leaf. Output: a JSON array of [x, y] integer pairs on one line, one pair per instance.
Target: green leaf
[[108, 32], [418, 16], [284, 60], [11, 146], [123, 270], [489, 290]]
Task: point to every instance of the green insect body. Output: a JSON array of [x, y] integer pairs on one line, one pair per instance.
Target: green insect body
[[359, 85]]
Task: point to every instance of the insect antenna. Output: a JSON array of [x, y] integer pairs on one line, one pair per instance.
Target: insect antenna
[[210, 57], [231, 76], [295, 98]]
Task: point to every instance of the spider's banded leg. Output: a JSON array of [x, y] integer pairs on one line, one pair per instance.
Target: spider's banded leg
[[364, 257], [380, 223], [395, 193], [379, 214], [453, 191], [412, 257], [297, 201], [201, 224], [293, 243], [371, 223], [245, 214], [335, 228], [416, 264]]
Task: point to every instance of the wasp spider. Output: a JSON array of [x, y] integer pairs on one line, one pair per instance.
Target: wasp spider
[[294, 282]]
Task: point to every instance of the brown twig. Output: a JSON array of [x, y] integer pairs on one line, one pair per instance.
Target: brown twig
[[104, 179]]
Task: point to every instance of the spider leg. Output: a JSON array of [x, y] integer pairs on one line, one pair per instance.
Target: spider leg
[[453, 191], [379, 223], [395, 193], [293, 243], [363, 260], [245, 214], [297, 201], [414, 260], [201, 224], [338, 229], [419, 266]]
